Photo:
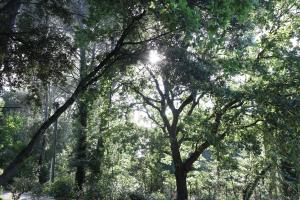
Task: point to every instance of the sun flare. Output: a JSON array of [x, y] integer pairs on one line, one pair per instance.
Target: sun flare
[[154, 57]]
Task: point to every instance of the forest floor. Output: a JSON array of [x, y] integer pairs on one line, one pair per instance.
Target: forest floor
[[8, 196]]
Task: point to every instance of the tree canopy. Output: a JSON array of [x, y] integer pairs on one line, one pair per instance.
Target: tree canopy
[[172, 99]]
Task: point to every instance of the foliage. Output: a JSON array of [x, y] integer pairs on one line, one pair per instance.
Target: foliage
[[37, 47], [10, 138], [21, 186], [62, 188], [224, 97]]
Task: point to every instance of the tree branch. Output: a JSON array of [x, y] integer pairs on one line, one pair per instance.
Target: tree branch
[[195, 103], [187, 101], [188, 163], [149, 39], [156, 85], [147, 100]]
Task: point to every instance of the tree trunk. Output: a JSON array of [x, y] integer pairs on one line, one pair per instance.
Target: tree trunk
[[290, 180], [56, 105], [180, 172], [181, 175], [42, 169], [81, 145], [95, 164], [81, 137]]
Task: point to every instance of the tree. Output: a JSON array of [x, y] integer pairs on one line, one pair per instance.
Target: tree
[[125, 29], [179, 85], [276, 72]]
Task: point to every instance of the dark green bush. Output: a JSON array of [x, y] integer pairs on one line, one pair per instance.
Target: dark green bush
[[62, 189]]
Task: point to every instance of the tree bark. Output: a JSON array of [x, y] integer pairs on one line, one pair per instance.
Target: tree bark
[[81, 145], [180, 172], [82, 135], [42, 170], [56, 105], [98, 154], [181, 176]]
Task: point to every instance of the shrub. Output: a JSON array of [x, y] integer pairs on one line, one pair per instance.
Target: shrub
[[62, 189], [158, 196], [100, 189], [37, 191], [20, 186]]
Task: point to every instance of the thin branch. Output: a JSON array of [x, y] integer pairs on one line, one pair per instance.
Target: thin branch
[[152, 118], [147, 100], [156, 84], [250, 187], [11, 107], [149, 39], [170, 101], [251, 125]]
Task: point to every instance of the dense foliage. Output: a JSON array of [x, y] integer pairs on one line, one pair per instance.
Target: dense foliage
[[160, 99]]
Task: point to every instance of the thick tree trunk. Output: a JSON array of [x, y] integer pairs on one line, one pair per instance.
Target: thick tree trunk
[[180, 172], [95, 164], [182, 191], [42, 171], [83, 102]]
